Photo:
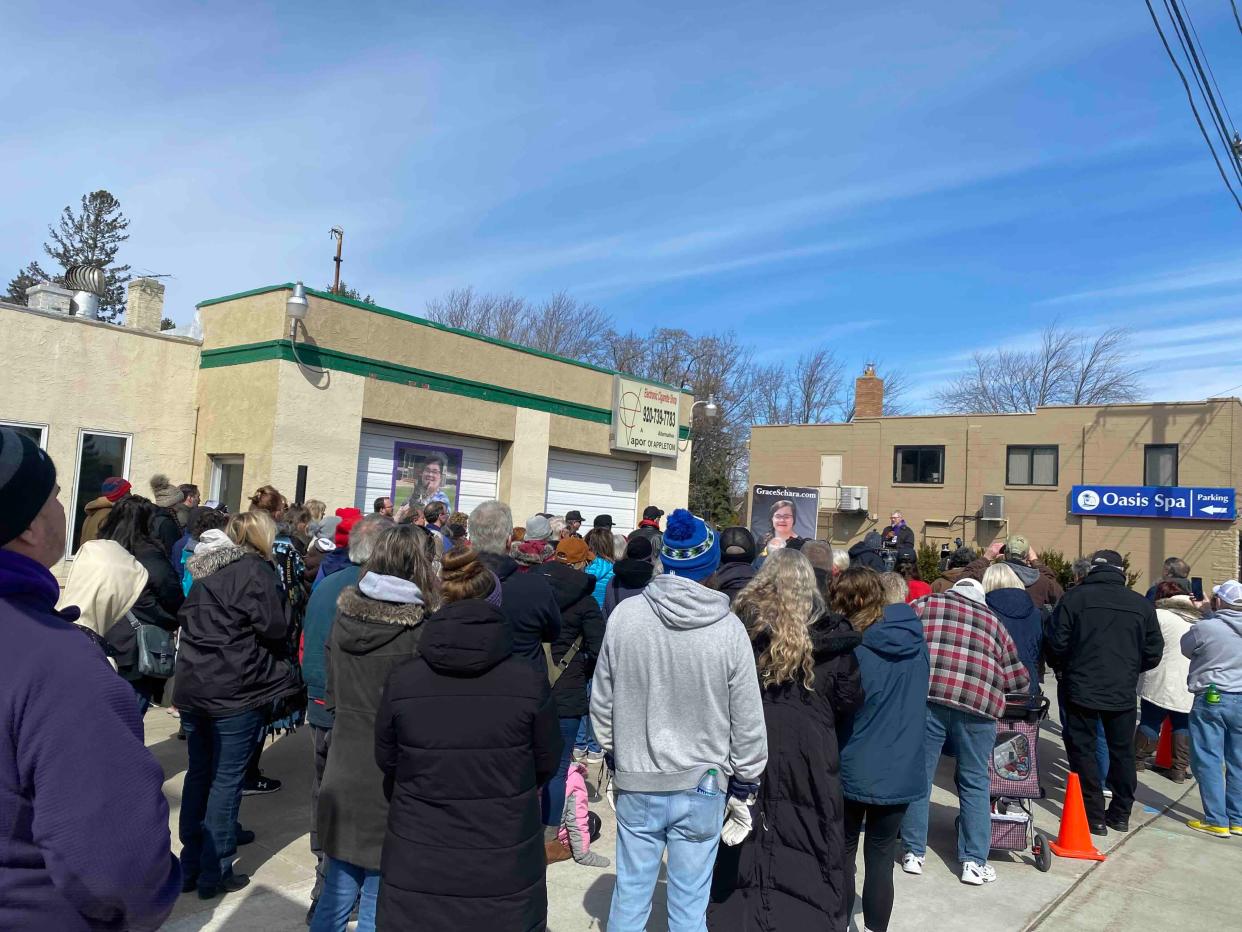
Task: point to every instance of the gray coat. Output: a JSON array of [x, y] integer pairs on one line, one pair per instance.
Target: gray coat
[[369, 640]]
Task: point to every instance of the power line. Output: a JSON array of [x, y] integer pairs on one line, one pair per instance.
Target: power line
[[1211, 73], [1193, 108], [1201, 81], [1236, 18]]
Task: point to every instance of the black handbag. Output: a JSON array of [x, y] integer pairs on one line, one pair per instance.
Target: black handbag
[[157, 652]]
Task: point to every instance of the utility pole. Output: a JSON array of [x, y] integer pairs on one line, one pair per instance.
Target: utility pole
[[339, 235]]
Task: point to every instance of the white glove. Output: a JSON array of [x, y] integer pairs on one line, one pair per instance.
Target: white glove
[[738, 822]]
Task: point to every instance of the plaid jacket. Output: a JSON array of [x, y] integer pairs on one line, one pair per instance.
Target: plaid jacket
[[973, 659]]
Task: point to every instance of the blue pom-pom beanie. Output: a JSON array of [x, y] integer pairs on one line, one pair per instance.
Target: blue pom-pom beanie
[[691, 548]]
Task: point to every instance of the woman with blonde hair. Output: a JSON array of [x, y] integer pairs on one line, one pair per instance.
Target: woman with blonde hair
[[882, 762], [233, 673], [809, 680], [1008, 598]]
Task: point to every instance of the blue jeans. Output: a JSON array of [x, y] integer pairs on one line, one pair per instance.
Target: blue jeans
[[688, 824], [974, 737], [586, 734], [1216, 757], [218, 749], [341, 888], [552, 796], [1151, 719]]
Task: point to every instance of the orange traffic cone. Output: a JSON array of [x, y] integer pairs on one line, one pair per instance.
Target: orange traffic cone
[[1075, 838], [1164, 752]]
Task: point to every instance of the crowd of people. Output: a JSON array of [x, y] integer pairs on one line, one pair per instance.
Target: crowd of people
[[751, 715]]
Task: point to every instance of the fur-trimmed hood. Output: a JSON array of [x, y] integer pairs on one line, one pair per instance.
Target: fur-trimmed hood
[[364, 625], [206, 562]]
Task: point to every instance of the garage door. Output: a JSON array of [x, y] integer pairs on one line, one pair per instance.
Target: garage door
[[593, 485], [469, 480]]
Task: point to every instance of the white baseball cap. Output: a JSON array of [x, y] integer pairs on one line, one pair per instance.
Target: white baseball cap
[[1229, 591]]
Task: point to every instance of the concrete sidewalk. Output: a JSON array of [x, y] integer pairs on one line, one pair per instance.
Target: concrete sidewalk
[[1159, 868]]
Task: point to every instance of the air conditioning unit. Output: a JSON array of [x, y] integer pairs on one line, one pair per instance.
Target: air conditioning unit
[[993, 508], [853, 498]]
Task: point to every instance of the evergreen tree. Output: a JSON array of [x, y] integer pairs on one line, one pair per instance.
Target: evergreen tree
[[94, 236], [28, 277], [346, 292]]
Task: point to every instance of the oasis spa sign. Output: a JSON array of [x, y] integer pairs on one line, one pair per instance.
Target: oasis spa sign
[[644, 418], [1143, 501]]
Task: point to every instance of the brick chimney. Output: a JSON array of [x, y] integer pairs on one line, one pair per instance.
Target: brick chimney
[[868, 394], [144, 307]]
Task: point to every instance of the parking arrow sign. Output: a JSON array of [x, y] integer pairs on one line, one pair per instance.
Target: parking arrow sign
[[1214, 510]]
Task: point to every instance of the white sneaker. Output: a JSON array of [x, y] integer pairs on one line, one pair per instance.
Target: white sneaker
[[977, 874], [911, 863]]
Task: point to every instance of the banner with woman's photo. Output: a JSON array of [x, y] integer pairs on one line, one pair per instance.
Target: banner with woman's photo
[[782, 512], [423, 473]]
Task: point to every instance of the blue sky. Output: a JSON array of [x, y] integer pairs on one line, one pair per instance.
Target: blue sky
[[904, 181]]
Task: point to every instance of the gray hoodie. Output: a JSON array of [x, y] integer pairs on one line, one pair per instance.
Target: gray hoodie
[[675, 692], [1214, 646]]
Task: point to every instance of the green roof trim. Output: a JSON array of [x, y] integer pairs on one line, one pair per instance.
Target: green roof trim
[[423, 322], [338, 361]]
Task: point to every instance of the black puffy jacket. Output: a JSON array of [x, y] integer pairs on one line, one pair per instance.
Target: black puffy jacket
[[1101, 637], [529, 605], [731, 579], [165, 530], [465, 735], [580, 616], [233, 656], [790, 872]]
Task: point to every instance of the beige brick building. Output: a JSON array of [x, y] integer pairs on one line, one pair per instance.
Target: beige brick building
[[937, 470]]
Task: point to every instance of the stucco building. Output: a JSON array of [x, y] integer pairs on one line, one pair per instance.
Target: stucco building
[[350, 405], [977, 477]]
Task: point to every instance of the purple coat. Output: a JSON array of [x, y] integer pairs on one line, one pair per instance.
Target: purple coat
[[84, 839]]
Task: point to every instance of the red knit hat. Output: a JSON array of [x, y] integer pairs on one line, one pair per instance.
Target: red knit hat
[[349, 517], [115, 488]]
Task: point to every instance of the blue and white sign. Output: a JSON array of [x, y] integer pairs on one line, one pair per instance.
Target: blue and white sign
[[1142, 501]]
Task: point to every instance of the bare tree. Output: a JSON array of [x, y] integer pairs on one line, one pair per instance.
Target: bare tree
[[1067, 368], [569, 327], [499, 316]]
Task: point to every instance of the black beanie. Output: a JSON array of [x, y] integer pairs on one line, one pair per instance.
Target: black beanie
[[27, 477]]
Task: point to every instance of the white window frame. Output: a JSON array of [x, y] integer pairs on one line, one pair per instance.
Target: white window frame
[[41, 428], [77, 473], [217, 460]]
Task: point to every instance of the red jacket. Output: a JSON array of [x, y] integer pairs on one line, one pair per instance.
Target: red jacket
[[974, 662]]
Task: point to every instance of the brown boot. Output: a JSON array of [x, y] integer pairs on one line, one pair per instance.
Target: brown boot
[[1181, 759], [1144, 749], [554, 851]]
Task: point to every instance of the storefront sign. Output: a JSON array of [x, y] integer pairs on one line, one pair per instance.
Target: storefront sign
[[644, 418], [781, 512], [1141, 501]]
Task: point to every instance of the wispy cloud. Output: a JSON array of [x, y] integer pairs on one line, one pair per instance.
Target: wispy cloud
[[1212, 275]]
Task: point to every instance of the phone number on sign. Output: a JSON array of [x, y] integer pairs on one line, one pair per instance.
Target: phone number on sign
[[659, 416]]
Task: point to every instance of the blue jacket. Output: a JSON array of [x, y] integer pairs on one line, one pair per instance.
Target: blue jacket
[[331, 563], [882, 756], [602, 570], [316, 629], [1023, 621], [84, 838]]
